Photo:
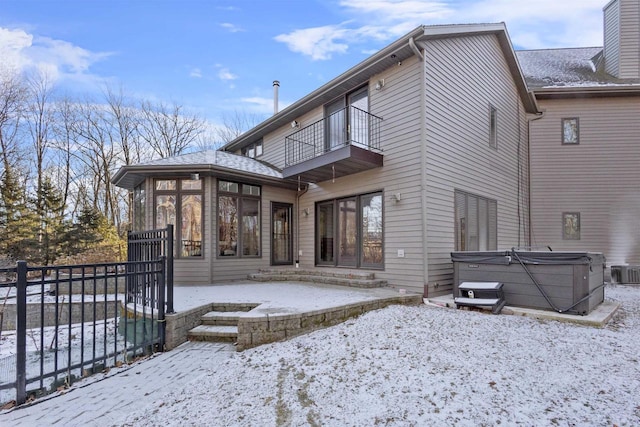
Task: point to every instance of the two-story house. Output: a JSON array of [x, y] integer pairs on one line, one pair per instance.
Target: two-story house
[[585, 148], [419, 150]]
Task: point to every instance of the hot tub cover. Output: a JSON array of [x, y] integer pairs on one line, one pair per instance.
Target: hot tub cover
[[528, 257]]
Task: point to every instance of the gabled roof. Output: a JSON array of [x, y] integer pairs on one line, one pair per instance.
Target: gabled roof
[[576, 71], [222, 164], [399, 50]]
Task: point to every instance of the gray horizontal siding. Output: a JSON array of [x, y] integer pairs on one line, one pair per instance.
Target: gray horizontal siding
[[629, 39], [398, 103], [612, 38], [599, 178], [463, 77]]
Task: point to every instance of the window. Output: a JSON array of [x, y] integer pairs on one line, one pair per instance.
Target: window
[[179, 202], [349, 231], [476, 226], [253, 150], [571, 226], [238, 220], [570, 131], [493, 127], [139, 208]]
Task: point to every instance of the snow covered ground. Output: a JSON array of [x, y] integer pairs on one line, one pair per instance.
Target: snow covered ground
[[406, 366]]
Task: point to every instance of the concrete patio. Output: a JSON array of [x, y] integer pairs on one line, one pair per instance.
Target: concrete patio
[[273, 311]]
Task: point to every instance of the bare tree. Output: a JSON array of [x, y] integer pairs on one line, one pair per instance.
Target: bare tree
[[12, 103], [235, 124], [168, 130], [40, 118]]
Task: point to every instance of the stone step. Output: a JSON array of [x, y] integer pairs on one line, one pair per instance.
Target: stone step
[[319, 273], [214, 333], [326, 280], [222, 318]]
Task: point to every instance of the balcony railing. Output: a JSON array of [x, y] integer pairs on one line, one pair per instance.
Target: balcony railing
[[349, 126]]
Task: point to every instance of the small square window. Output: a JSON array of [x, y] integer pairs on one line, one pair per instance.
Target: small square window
[[229, 187], [571, 225], [166, 184], [493, 127], [570, 131]]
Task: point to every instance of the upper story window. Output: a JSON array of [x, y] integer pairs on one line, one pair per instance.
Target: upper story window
[[493, 127], [179, 202], [253, 150], [238, 219], [571, 225], [570, 130]]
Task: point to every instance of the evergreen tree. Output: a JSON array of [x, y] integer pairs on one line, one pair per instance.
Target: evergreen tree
[[18, 221], [50, 216]]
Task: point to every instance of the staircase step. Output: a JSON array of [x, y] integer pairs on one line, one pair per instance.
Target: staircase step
[[319, 273], [222, 318], [215, 333], [312, 278]]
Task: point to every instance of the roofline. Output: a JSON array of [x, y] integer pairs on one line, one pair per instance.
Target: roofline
[[421, 33], [586, 91], [205, 169], [302, 102]]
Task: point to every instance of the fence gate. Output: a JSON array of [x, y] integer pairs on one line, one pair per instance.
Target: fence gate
[[150, 245]]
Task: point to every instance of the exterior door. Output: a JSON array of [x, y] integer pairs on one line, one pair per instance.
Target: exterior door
[[281, 234], [325, 246], [336, 125], [358, 117], [347, 232]]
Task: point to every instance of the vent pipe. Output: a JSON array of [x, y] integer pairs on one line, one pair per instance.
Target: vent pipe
[[276, 86]]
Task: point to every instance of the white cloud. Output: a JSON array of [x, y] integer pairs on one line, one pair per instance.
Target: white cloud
[[318, 42], [225, 75], [231, 27], [196, 73], [58, 58], [532, 24]]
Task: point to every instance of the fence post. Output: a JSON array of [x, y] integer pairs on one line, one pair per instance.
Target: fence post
[[169, 268], [21, 331], [161, 301]]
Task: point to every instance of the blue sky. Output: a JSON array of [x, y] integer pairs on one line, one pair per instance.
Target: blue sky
[[222, 56]]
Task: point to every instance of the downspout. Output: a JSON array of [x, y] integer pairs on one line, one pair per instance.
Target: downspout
[[414, 48], [423, 165], [529, 120], [299, 194]]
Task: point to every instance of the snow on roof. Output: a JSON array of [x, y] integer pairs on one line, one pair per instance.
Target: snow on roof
[[571, 67], [220, 159]]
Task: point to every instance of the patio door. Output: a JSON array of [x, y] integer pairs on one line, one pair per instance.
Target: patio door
[[358, 117], [281, 234], [347, 232], [335, 125]]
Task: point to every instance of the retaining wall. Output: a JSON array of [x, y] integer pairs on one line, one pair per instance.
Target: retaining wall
[[35, 319]]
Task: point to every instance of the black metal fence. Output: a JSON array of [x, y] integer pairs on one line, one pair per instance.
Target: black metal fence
[[147, 246], [62, 323]]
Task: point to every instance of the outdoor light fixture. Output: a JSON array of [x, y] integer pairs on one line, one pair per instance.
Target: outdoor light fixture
[[397, 197], [195, 176], [379, 84], [305, 211], [295, 124]]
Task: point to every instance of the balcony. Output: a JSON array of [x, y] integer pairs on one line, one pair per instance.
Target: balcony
[[344, 143]]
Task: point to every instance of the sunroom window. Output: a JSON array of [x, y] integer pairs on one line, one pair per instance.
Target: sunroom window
[[238, 219], [179, 202]]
